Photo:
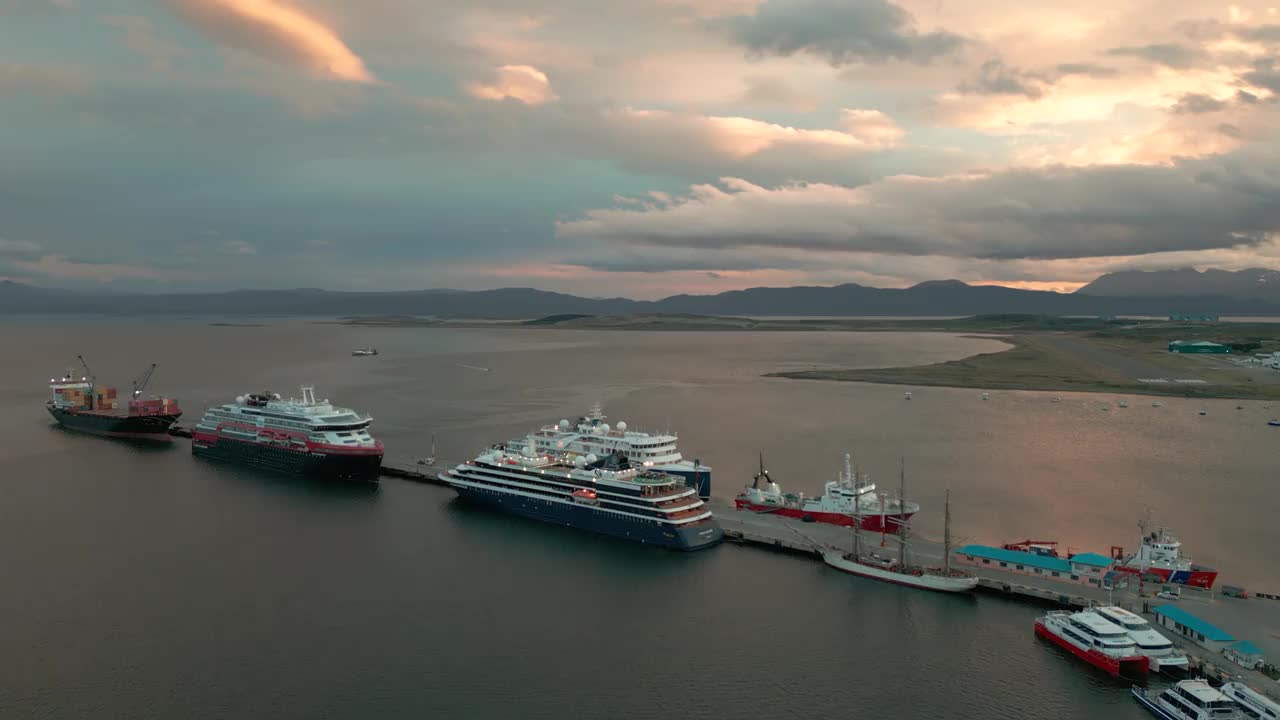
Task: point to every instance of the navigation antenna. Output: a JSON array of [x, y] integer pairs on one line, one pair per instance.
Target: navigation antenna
[[763, 474]]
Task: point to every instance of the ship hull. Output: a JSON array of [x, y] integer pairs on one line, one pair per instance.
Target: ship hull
[[1194, 577], [937, 583], [362, 467], [873, 523], [134, 427], [592, 519], [1134, 666]]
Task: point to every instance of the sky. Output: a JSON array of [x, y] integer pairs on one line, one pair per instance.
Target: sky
[[640, 148]]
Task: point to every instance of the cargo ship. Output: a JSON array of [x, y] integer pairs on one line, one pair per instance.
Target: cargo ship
[[295, 437], [80, 404]]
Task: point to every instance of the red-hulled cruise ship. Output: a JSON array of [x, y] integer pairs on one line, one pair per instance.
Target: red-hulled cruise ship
[[298, 437], [846, 498]]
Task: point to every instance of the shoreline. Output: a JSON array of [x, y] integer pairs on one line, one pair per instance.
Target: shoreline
[[1034, 363]]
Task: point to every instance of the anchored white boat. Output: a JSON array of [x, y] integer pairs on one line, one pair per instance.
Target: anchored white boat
[[898, 570], [1162, 656], [1253, 703], [1188, 700]]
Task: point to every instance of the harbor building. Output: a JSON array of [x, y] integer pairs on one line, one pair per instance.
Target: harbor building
[[1083, 568], [1245, 654], [1202, 346], [1197, 630]]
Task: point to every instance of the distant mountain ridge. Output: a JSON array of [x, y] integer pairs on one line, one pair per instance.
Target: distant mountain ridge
[[944, 297], [1250, 284]]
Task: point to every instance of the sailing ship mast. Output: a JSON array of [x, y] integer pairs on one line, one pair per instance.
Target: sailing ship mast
[[946, 537], [902, 520], [857, 513]]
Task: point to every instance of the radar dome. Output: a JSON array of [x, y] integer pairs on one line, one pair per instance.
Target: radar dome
[[604, 428], [591, 457], [564, 424], [622, 426], [579, 461], [240, 399], [275, 396]]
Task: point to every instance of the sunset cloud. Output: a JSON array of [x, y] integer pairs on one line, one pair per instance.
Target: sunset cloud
[[276, 30], [525, 83]]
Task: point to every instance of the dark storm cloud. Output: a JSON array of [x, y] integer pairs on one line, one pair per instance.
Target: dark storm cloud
[[1038, 213], [1174, 55], [842, 32]]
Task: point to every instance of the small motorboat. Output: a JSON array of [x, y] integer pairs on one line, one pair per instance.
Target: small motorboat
[[1273, 422], [362, 352], [1204, 412]]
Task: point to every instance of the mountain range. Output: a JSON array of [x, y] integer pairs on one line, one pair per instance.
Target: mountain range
[[1248, 292]]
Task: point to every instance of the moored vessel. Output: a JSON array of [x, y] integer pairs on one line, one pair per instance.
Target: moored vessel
[[1095, 640], [851, 495], [1188, 700], [899, 570], [82, 405], [1161, 655], [1160, 555], [591, 435], [1253, 703], [605, 496], [304, 436]]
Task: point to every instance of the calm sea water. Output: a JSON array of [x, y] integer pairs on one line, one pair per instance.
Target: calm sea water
[[140, 583]]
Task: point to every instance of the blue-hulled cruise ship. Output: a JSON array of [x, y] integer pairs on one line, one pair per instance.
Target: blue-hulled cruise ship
[[591, 435], [582, 491]]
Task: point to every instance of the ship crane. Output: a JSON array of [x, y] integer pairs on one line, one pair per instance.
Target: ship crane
[[88, 374], [140, 383]]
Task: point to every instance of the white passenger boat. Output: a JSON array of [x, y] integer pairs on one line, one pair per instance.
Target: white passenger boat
[[1162, 656], [1188, 700]]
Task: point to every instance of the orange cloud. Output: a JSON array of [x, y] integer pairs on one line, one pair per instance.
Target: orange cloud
[[277, 30], [525, 83]]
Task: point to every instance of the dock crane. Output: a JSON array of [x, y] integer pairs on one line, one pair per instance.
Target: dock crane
[[140, 383], [88, 374]]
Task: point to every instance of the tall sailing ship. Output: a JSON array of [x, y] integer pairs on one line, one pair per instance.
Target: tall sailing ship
[[898, 570], [297, 437], [604, 496], [82, 405]]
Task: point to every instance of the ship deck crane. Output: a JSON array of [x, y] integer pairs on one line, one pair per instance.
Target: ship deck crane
[[140, 383], [88, 374]]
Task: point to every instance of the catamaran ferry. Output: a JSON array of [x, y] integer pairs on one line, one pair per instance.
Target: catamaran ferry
[[1162, 656], [582, 491], [300, 437], [591, 435], [1095, 640]]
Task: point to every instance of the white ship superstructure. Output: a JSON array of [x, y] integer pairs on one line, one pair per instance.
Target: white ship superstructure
[[586, 492], [591, 435], [1162, 656]]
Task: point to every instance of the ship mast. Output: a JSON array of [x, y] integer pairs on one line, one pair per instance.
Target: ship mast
[[857, 518], [902, 520], [946, 537]]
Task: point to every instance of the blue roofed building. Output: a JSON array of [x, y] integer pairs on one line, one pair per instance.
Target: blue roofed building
[[1245, 654], [1083, 569], [1197, 630]]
